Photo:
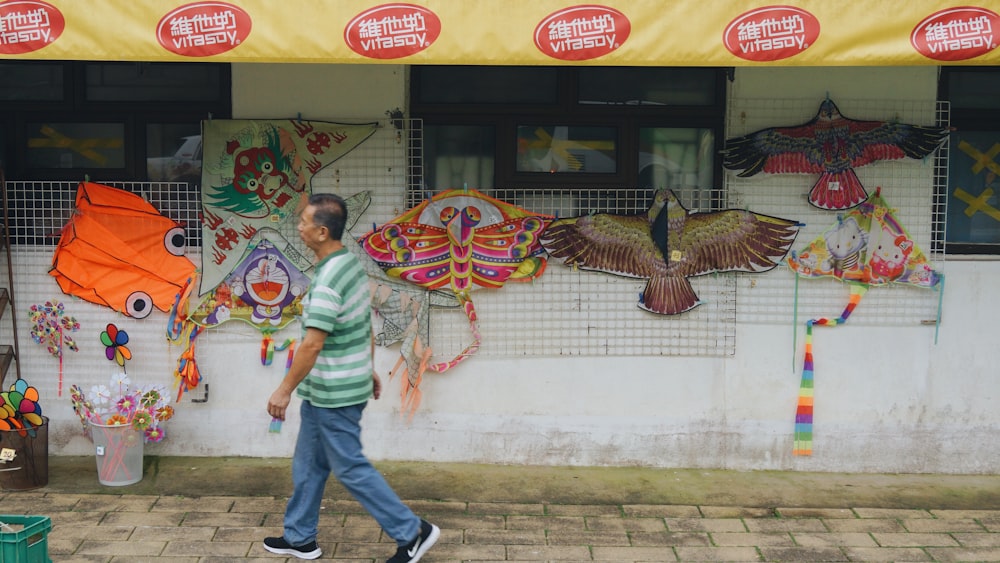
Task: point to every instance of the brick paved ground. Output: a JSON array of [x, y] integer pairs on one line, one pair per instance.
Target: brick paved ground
[[211, 510], [136, 528]]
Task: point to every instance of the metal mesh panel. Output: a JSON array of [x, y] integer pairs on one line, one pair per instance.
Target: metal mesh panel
[[39, 210], [569, 312], [908, 186]]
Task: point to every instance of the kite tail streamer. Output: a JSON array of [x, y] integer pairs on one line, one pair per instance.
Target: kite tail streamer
[[471, 349], [410, 394], [804, 409], [178, 313], [266, 350], [187, 373]]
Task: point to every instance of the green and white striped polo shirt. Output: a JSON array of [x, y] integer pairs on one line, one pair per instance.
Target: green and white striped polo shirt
[[338, 303]]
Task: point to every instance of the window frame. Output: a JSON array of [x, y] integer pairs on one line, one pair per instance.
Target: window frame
[[627, 118], [74, 107], [966, 119]]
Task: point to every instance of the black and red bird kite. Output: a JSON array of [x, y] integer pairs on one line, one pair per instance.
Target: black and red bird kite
[[667, 244], [833, 146]]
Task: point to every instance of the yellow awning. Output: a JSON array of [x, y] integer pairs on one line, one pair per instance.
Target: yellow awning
[[506, 32]]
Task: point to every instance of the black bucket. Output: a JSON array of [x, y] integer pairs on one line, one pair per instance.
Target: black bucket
[[24, 458]]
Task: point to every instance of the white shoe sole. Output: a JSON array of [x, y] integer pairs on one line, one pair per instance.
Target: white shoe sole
[[315, 554], [428, 543]]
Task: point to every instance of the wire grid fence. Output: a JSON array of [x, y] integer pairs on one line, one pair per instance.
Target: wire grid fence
[[909, 186], [570, 312], [38, 211], [565, 312]]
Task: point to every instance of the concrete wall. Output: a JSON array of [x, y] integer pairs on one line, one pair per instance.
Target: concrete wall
[[921, 406]]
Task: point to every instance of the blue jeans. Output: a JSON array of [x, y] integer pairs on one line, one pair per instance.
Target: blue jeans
[[330, 440]]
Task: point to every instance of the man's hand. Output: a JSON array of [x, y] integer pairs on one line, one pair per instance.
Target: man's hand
[[376, 386], [277, 404]]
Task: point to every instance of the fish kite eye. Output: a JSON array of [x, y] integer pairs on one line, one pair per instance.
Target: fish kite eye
[[175, 241], [139, 305]]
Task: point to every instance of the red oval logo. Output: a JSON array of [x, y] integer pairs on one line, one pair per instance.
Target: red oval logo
[[28, 25], [771, 33], [392, 31], [581, 33], [203, 29], [956, 34]]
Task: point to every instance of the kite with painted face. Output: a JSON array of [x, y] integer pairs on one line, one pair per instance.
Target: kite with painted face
[[866, 247], [117, 251]]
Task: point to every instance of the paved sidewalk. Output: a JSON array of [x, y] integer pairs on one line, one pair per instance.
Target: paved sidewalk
[[136, 528], [133, 524]]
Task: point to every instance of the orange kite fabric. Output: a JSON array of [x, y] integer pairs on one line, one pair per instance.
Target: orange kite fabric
[[118, 251]]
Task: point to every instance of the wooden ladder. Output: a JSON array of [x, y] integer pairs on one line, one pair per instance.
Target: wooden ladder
[[10, 353]]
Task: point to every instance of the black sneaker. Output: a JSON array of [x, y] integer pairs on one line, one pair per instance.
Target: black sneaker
[[413, 551], [305, 551]]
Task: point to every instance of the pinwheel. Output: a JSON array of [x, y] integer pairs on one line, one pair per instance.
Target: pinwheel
[[832, 146], [866, 247], [19, 408], [51, 327], [115, 341]]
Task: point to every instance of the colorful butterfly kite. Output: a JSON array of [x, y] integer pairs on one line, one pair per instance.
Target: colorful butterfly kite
[[832, 146], [404, 310], [866, 247], [459, 239]]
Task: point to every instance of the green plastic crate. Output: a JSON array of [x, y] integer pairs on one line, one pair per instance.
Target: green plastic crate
[[29, 540]]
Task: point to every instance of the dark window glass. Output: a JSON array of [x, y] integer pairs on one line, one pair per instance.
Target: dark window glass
[[675, 158], [173, 152], [974, 89], [558, 149], [130, 122], [457, 156], [973, 188], [75, 145], [486, 85], [586, 137], [144, 82], [647, 86], [32, 82]]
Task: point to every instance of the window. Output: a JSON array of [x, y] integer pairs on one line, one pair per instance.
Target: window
[[581, 134], [108, 120], [973, 190]]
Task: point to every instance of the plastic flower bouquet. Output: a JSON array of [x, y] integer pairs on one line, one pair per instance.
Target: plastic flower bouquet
[[144, 408]]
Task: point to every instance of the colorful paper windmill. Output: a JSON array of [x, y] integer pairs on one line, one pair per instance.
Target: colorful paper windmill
[[866, 247], [19, 408], [51, 327], [115, 341], [460, 238]]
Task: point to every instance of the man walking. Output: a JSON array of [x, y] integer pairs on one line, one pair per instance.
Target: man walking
[[334, 375]]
